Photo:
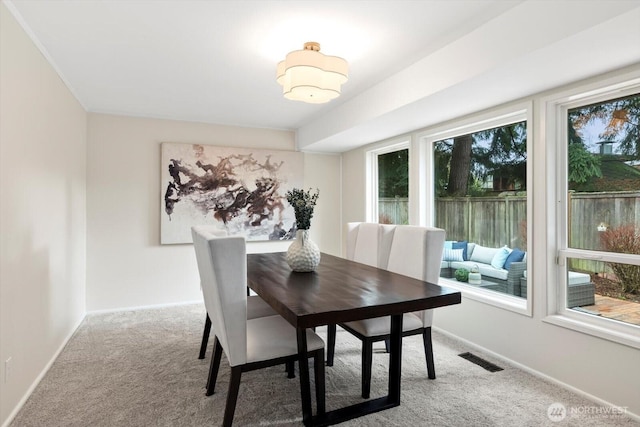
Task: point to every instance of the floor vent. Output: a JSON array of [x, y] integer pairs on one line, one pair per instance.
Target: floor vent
[[480, 362]]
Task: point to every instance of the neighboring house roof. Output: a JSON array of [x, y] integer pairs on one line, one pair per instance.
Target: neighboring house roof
[[617, 175]]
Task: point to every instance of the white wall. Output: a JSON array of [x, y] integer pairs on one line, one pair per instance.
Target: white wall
[[598, 367], [354, 186], [42, 213], [126, 265]]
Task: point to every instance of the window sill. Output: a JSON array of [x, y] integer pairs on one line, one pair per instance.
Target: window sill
[[607, 329], [507, 302]]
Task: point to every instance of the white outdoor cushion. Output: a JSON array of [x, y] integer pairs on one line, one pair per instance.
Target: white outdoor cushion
[[483, 254], [484, 269], [272, 337], [470, 248], [574, 278], [577, 278], [382, 325]]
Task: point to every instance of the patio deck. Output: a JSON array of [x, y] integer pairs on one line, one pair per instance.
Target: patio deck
[[617, 309]]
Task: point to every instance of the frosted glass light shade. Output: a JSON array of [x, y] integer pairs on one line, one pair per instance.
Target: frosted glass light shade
[[310, 76]]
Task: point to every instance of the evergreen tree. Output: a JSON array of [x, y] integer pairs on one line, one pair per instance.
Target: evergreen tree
[[393, 174]]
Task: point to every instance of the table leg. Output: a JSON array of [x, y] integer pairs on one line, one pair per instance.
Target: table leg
[[391, 400], [305, 384], [395, 358]]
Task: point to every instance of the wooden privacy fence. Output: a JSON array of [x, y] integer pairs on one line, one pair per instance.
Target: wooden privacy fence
[[393, 210], [501, 220], [488, 221], [587, 211]]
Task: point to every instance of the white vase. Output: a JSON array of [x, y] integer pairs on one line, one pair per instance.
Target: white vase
[[303, 254]]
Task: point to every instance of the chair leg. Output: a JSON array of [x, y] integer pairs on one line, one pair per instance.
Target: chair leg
[[232, 396], [291, 368], [215, 365], [331, 343], [318, 364], [367, 361], [428, 352], [205, 337]]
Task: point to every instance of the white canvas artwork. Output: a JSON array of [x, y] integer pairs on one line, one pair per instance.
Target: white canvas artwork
[[239, 190]]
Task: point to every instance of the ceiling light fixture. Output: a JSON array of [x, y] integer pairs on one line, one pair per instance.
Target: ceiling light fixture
[[310, 76]]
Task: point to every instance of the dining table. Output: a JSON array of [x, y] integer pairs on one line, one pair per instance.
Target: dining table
[[341, 290]]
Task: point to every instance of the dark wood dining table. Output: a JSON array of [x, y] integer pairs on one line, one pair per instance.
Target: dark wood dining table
[[340, 290]]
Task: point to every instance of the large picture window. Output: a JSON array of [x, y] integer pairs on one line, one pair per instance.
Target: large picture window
[[480, 200], [477, 193]]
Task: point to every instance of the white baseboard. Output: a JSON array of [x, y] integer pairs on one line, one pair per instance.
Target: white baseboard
[[44, 371], [538, 374], [145, 307]]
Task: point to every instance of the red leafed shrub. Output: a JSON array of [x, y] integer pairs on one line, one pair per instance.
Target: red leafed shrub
[[624, 239], [384, 219]]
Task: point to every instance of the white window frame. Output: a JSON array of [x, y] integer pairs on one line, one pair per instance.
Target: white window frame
[[396, 144], [555, 110], [502, 116]]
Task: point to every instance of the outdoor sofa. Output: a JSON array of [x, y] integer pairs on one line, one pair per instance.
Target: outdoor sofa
[[504, 267], [505, 270]]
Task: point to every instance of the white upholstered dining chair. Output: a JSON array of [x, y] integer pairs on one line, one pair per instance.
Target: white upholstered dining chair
[[248, 344], [367, 243], [256, 306], [413, 251]]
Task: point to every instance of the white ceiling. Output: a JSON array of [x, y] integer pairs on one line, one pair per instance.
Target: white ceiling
[[214, 61]]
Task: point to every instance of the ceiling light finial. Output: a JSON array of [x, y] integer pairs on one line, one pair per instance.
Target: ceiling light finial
[[310, 76]]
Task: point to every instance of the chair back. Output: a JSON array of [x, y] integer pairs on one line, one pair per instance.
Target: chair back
[[417, 252], [369, 243], [222, 264]]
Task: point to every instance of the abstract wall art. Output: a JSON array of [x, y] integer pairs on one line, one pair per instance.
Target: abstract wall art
[[238, 190]]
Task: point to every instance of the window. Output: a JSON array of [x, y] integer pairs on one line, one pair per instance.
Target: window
[[598, 145], [390, 201], [603, 208], [478, 194]]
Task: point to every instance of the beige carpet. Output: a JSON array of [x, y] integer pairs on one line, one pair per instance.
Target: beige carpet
[[140, 368]]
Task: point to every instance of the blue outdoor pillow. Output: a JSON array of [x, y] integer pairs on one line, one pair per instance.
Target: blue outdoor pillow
[[461, 245], [516, 255]]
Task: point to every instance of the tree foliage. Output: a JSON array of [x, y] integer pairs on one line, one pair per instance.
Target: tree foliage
[[393, 174], [622, 120], [465, 162], [582, 164]]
